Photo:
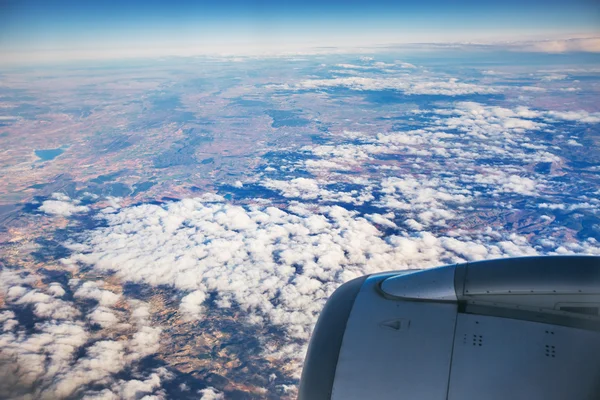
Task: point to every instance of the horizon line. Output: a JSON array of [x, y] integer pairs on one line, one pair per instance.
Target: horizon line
[[575, 43]]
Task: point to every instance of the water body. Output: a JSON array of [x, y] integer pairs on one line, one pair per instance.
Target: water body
[[49, 154]]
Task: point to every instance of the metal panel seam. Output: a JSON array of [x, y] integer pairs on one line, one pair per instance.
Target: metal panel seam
[[452, 354], [453, 334]]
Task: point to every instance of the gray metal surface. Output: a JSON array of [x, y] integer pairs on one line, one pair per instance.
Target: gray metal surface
[[322, 355], [534, 275], [501, 358], [395, 349], [565, 288], [431, 284], [526, 328]]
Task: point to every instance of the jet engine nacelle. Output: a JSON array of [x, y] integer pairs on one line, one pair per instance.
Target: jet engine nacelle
[[521, 328]]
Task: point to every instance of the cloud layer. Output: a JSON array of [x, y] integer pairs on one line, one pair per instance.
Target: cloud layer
[[277, 266], [408, 85], [62, 355]]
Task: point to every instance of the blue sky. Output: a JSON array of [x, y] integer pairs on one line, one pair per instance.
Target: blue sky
[[151, 25]]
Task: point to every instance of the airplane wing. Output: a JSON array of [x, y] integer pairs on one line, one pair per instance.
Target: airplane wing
[[521, 328]]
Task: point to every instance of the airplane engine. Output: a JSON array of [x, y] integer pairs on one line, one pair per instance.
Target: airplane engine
[[520, 328]]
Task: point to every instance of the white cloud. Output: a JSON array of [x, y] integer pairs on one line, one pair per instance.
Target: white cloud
[[507, 183], [484, 121], [60, 197], [191, 305], [310, 189], [18, 291], [282, 264], [578, 116], [104, 317], [45, 362], [354, 66], [554, 77], [407, 85], [63, 208], [303, 188], [211, 393], [40, 356], [63, 205], [381, 220], [472, 115], [405, 64], [425, 200], [135, 388], [56, 290], [90, 290]]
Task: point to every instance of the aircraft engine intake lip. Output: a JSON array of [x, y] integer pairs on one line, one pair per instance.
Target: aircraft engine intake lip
[[550, 275]]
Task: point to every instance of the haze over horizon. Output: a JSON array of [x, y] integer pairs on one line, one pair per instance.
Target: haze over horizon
[[62, 30]]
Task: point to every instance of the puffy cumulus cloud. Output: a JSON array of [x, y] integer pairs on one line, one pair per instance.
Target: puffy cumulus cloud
[[464, 133], [354, 66], [191, 304], [333, 159], [8, 321], [370, 65], [56, 289], [519, 184], [554, 77], [276, 266], [379, 219], [43, 356], [61, 204], [342, 157], [303, 188], [592, 206], [102, 314], [144, 388], [91, 290], [502, 133], [507, 183], [45, 364], [402, 64], [588, 246], [63, 208], [211, 393], [407, 84], [428, 201], [311, 189], [104, 317], [347, 152], [144, 342], [19, 290], [481, 120], [60, 196], [60, 356], [578, 116], [465, 149]]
